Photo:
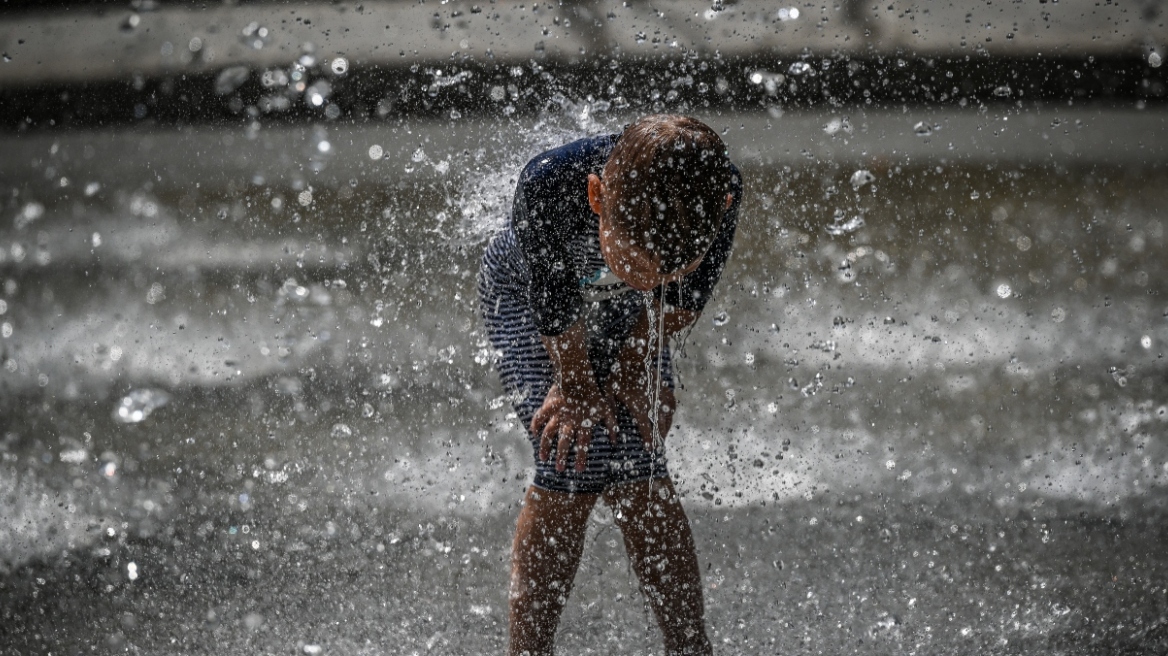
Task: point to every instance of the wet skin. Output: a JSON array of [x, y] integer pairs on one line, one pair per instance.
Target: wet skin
[[657, 535]]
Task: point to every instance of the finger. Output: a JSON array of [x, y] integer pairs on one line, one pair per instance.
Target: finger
[[552, 402], [541, 417], [608, 417], [610, 422], [546, 437], [583, 442], [563, 446]]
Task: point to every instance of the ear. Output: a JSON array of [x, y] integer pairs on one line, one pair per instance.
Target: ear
[[729, 200], [595, 193]]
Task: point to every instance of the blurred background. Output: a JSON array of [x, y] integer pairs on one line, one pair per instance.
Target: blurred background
[[246, 404]]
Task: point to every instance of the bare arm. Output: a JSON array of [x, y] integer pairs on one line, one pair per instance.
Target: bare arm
[[574, 404], [634, 379]]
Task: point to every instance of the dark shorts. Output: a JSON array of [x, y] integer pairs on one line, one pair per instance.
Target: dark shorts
[[526, 373]]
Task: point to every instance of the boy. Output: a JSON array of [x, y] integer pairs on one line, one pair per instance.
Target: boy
[[614, 245]]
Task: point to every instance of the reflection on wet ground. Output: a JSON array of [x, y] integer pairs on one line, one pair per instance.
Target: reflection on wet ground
[[925, 414]]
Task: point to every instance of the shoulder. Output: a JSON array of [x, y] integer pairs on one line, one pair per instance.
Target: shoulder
[[570, 161], [735, 181]]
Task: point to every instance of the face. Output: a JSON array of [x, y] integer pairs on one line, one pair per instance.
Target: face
[[631, 263]]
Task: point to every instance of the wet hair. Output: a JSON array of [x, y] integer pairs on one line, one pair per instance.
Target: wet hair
[[667, 179]]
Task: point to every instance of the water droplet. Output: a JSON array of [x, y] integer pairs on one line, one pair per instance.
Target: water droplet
[[138, 404], [230, 79], [156, 293], [1146, 341], [418, 156], [721, 319], [1024, 243], [838, 228], [1003, 91], [1154, 60], [375, 152], [837, 125], [640, 37], [974, 195], [132, 571], [1004, 291], [305, 197], [29, 213], [7, 58], [339, 66], [341, 431], [317, 93], [799, 68], [922, 129], [1058, 315], [861, 178]]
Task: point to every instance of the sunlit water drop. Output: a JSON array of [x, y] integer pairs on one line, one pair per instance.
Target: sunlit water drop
[[842, 227], [375, 152], [339, 66], [138, 404], [861, 178], [1004, 290], [721, 319], [230, 79], [922, 129]]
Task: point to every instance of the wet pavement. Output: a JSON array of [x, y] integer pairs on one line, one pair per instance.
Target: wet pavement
[[924, 414]]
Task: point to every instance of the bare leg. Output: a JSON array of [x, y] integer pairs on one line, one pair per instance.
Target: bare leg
[[549, 540], [661, 547]]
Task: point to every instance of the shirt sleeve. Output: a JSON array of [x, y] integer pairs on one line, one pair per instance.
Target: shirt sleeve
[[541, 230], [695, 289]]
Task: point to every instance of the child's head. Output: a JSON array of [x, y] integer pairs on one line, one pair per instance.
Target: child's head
[[664, 190]]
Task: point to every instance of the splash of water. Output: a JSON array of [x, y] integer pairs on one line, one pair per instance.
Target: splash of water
[[484, 199]]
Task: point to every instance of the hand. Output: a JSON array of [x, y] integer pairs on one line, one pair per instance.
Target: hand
[[569, 420], [630, 384]]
